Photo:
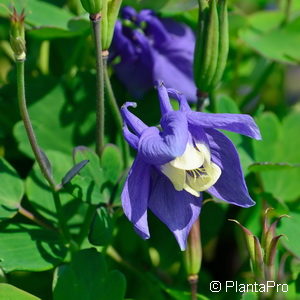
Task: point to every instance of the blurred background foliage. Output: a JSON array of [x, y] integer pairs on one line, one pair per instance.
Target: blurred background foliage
[[262, 78]]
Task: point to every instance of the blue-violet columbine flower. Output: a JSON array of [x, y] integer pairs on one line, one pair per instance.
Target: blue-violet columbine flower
[[152, 48], [178, 160]]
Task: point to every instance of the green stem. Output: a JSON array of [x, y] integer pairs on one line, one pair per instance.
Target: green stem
[[84, 230], [96, 27], [29, 215], [28, 126], [115, 110], [62, 222], [287, 12]]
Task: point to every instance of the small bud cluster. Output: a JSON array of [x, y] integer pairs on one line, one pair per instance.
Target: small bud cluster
[[263, 252], [17, 34], [212, 44]]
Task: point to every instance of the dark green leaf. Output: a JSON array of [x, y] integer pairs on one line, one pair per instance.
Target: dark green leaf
[[101, 228], [73, 172], [11, 190], [87, 278]]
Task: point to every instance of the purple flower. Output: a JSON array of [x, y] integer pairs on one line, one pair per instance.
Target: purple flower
[[178, 160], [153, 49]]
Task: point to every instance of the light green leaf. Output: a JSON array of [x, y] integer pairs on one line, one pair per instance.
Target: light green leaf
[[183, 295], [53, 120], [290, 227], [10, 292], [111, 162], [280, 146], [29, 248], [87, 278], [47, 20], [11, 190], [282, 44]]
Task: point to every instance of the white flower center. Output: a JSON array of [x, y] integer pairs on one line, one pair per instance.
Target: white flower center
[[193, 171]]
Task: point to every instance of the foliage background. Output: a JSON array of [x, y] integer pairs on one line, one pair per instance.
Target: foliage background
[[262, 78]]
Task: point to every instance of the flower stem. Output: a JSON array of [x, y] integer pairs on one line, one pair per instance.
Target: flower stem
[[96, 27], [39, 156], [62, 222], [114, 108], [84, 230], [28, 126], [193, 258], [29, 215]]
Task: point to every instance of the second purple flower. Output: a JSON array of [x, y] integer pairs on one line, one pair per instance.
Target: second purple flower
[[151, 49]]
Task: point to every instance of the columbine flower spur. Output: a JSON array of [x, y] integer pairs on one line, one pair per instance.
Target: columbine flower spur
[[178, 160]]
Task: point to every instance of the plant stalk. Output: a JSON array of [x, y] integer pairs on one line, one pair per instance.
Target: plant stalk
[[96, 28], [84, 230], [28, 125], [114, 108]]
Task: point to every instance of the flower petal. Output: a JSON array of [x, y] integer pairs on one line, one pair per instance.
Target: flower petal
[[231, 186], [183, 104], [158, 147], [135, 196], [239, 123], [130, 138], [137, 125], [164, 100], [178, 210]]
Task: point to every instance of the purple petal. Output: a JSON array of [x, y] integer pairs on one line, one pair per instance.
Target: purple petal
[[231, 186], [164, 101], [130, 138], [137, 125], [135, 196], [128, 12], [135, 69], [121, 44], [161, 147], [178, 210], [242, 124], [183, 104]]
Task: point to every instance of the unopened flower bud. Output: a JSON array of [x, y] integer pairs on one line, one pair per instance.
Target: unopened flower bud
[[109, 17], [193, 253], [92, 6], [212, 44], [17, 35]]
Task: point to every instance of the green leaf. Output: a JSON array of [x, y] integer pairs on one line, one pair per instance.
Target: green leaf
[[11, 190], [280, 44], [46, 20], [88, 186], [40, 195], [280, 144], [183, 295], [53, 120], [10, 292], [111, 162], [249, 296], [268, 166], [290, 227], [29, 248], [102, 228], [87, 278], [73, 172]]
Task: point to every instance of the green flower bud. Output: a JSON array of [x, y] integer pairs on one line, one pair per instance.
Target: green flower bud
[[109, 17], [193, 253], [92, 6], [212, 44], [17, 35]]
